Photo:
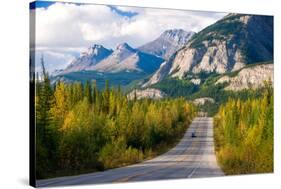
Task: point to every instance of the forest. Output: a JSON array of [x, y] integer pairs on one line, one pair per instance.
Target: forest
[[244, 134], [184, 88], [81, 129]]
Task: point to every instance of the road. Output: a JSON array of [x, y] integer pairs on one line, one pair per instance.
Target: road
[[190, 158]]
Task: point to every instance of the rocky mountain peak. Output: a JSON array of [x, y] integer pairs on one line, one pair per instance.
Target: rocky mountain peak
[[178, 36], [123, 50], [94, 50], [167, 43], [124, 46], [89, 57]]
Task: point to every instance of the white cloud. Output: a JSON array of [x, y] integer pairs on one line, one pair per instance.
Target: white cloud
[[64, 26], [54, 59], [70, 25]]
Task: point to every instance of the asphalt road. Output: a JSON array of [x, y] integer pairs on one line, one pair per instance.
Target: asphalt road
[[190, 158]]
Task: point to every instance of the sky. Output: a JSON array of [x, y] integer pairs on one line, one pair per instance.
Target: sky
[[63, 30]]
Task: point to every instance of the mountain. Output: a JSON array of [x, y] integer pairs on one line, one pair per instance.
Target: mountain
[[121, 67], [167, 43], [248, 77], [126, 58], [225, 46], [90, 57]]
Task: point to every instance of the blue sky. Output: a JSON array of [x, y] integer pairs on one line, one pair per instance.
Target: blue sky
[[40, 4], [46, 4], [63, 30], [129, 14]]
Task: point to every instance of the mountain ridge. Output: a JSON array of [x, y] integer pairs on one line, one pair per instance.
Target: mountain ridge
[[90, 57], [227, 45], [126, 58]]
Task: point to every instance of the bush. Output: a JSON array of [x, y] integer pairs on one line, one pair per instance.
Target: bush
[[117, 154]]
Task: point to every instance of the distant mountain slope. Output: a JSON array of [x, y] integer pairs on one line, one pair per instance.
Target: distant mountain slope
[[167, 43], [122, 79], [125, 58], [122, 66], [228, 45], [91, 57]]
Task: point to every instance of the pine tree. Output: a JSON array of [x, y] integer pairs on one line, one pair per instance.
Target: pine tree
[[95, 91], [88, 92], [45, 142], [45, 100], [135, 95], [106, 95], [77, 92], [70, 96]]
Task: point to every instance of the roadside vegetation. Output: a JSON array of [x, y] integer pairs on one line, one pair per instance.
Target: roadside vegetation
[[244, 134], [82, 129]]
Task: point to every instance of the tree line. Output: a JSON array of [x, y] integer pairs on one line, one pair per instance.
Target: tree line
[[80, 128], [244, 134]]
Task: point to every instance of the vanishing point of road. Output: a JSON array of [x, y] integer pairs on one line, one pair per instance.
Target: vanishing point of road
[[192, 157]]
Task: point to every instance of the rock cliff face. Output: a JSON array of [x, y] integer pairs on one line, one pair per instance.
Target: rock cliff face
[[196, 81], [202, 101], [252, 77], [228, 45], [146, 93]]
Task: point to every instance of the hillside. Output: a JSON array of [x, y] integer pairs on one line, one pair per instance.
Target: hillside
[[251, 77], [228, 45]]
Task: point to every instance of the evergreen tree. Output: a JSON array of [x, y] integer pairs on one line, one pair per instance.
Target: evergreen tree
[[95, 91], [106, 95], [88, 92], [44, 102], [77, 92], [45, 145]]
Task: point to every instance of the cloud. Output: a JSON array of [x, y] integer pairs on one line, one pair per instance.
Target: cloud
[[70, 25], [54, 59], [64, 28]]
